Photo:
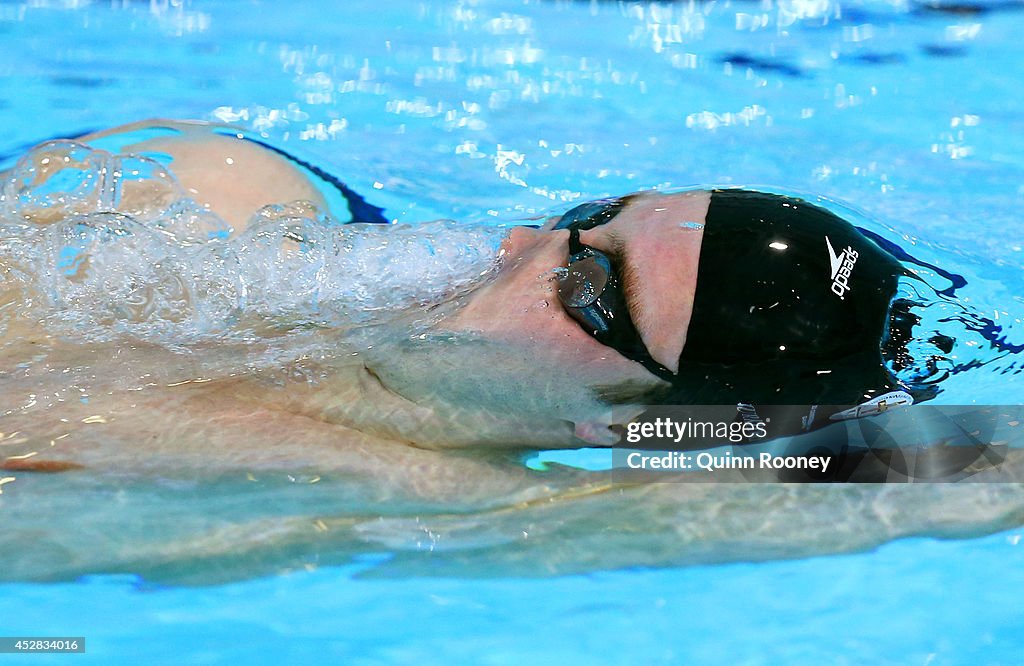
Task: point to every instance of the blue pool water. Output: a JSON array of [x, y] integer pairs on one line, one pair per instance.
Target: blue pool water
[[486, 110], [912, 602]]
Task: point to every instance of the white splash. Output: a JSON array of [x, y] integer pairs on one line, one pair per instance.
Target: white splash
[[105, 247]]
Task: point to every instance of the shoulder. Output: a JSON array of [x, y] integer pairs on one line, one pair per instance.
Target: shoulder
[[217, 165]]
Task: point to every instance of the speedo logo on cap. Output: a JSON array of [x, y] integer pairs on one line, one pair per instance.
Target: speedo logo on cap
[[842, 266]]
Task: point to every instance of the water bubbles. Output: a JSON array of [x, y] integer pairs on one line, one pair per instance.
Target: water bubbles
[[283, 257], [55, 180], [105, 272], [302, 265], [62, 178], [188, 223], [15, 278], [140, 187], [219, 293], [103, 247]]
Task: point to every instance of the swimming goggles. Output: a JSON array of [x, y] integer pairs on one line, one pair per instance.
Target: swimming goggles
[[591, 291]]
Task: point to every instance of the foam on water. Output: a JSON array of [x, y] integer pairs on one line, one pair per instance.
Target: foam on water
[[102, 247]]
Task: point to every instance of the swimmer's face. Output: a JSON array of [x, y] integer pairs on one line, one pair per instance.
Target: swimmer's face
[[655, 242]]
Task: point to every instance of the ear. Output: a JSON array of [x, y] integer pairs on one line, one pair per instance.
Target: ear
[[596, 433]]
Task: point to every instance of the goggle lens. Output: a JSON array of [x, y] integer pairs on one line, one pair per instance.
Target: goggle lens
[[584, 281]]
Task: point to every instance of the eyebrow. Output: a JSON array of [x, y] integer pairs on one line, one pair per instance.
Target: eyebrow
[[619, 255]]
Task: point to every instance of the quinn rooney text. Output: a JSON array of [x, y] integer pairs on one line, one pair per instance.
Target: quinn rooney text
[[678, 461]]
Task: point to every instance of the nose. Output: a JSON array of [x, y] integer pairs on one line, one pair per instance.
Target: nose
[[519, 239]]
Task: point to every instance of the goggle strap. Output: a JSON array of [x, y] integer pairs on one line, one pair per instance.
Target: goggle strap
[[575, 245]]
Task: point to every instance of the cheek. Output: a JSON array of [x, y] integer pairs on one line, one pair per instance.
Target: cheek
[[523, 292]]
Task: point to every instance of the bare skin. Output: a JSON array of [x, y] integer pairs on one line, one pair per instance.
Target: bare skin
[[149, 412], [519, 309], [228, 175], [244, 424]]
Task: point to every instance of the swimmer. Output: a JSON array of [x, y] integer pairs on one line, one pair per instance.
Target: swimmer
[[717, 296], [172, 328]]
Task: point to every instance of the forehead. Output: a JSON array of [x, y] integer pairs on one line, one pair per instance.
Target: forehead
[[660, 235], [665, 214], [648, 211]]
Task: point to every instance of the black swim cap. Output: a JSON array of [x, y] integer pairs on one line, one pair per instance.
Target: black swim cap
[[792, 307]]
